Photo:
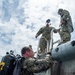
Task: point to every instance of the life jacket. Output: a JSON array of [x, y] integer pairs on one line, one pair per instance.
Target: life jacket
[[19, 70], [8, 64]]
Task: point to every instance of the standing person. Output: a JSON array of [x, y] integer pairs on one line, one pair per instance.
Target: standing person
[[46, 36], [9, 61], [32, 65], [65, 30], [66, 26]]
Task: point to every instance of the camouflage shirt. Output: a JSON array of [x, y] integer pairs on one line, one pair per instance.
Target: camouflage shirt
[[37, 65], [46, 32], [68, 22]]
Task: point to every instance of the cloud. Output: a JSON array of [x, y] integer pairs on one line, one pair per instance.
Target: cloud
[[11, 8], [21, 19]]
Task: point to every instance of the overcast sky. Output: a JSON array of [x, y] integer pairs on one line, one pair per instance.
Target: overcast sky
[[21, 19]]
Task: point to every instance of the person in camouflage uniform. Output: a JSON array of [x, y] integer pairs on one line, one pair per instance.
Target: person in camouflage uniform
[[46, 36], [32, 65], [64, 22]]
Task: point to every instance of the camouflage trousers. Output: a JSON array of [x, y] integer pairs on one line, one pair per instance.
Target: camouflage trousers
[[43, 45], [65, 37]]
